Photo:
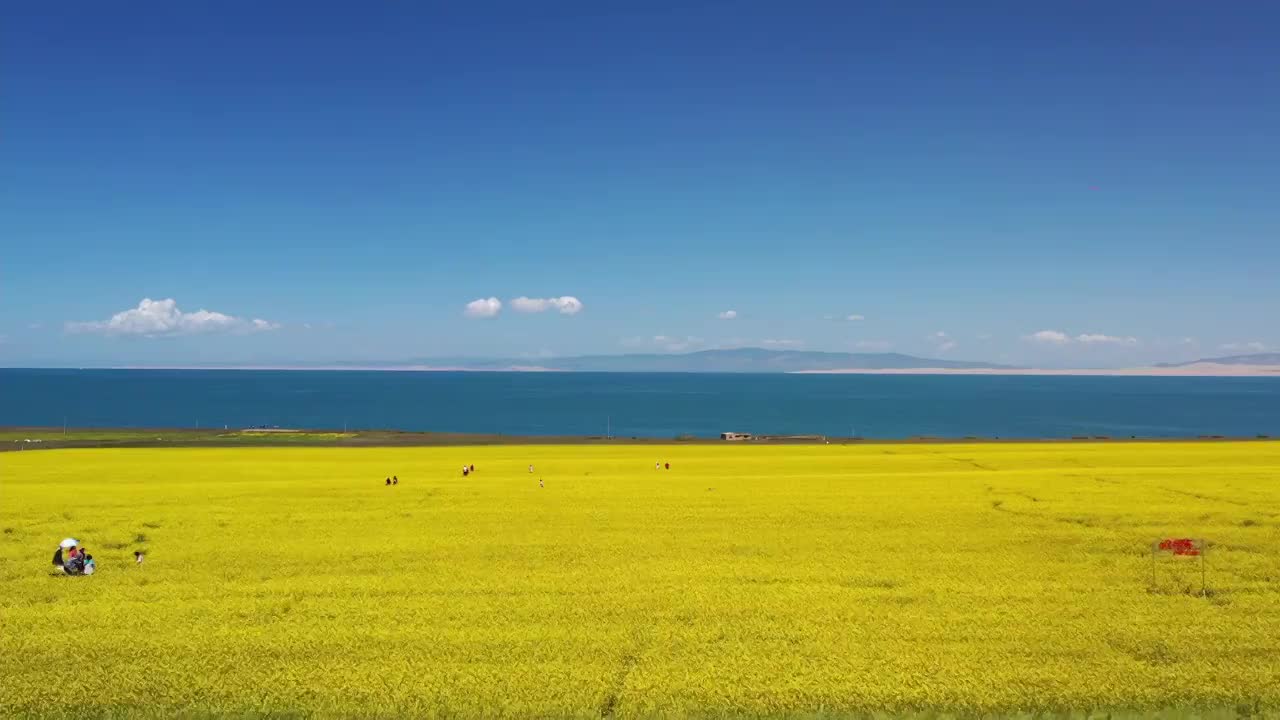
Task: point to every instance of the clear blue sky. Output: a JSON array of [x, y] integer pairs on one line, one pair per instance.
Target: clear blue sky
[[353, 174]]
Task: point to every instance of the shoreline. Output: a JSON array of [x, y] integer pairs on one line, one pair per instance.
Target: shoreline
[[1192, 370], [21, 438]]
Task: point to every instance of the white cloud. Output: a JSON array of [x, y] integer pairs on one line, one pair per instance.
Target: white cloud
[[35, 326], [855, 318], [1097, 339], [781, 343], [161, 318], [728, 315], [873, 345], [565, 305], [259, 325], [1049, 337], [1055, 337], [984, 336], [1253, 346], [483, 308]]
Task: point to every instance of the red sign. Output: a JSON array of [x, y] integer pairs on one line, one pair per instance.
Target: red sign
[[1181, 546]]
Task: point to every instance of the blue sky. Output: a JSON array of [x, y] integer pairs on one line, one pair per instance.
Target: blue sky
[[962, 176]]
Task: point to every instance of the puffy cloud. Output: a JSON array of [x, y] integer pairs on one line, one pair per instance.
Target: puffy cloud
[[565, 305], [1049, 337], [161, 318], [1055, 337], [1254, 346], [728, 315], [483, 308], [1097, 339], [855, 317]]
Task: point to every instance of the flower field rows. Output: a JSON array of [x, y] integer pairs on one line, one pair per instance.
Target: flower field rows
[[745, 581]]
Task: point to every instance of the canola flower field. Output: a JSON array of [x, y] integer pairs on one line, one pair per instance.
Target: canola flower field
[[746, 581]]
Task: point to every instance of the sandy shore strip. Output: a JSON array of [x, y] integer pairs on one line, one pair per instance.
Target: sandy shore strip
[[1193, 370]]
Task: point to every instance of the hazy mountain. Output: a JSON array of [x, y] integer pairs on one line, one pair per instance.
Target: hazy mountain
[[744, 360], [1254, 359]]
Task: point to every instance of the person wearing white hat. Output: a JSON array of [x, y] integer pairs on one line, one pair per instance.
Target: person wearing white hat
[[69, 545]]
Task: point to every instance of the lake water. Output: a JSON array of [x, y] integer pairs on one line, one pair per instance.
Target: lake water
[[646, 404]]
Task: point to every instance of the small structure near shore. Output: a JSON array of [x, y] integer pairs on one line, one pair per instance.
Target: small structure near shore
[[735, 436]]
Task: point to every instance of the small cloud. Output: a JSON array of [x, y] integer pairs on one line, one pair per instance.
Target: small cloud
[[306, 326], [728, 315], [483, 308], [565, 305], [1049, 337], [854, 318], [35, 326], [1253, 346], [873, 345], [984, 336], [781, 343], [1055, 337], [163, 318], [1097, 339]]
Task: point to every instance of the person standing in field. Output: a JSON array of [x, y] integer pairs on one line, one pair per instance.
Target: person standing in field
[[388, 482], [89, 565], [530, 469], [395, 479], [540, 483], [473, 467]]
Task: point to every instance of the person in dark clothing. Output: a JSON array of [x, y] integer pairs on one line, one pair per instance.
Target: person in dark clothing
[[57, 560], [395, 479], [74, 564], [388, 482], [473, 467], [667, 466]]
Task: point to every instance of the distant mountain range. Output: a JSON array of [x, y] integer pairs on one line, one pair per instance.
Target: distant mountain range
[[1254, 359], [740, 360], [760, 360]]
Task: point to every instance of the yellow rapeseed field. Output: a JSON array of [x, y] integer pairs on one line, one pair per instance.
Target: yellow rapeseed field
[[745, 581]]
